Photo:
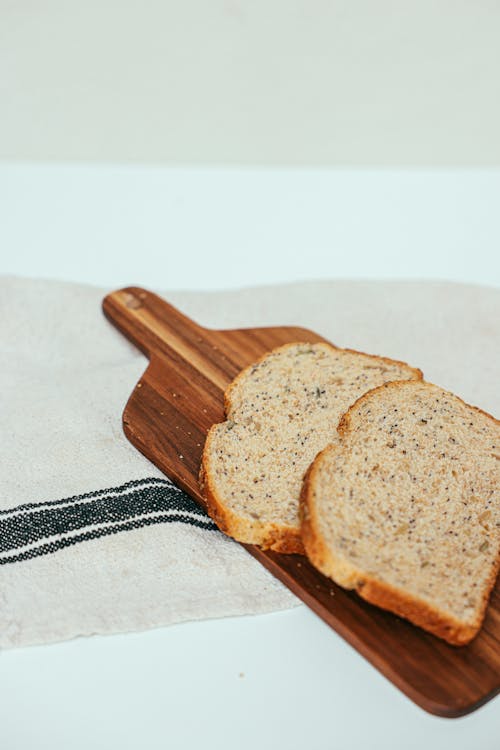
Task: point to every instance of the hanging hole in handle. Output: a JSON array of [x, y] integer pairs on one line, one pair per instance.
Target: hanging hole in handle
[[132, 301]]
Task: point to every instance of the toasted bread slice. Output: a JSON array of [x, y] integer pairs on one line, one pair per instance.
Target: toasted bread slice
[[405, 507], [280, 412]]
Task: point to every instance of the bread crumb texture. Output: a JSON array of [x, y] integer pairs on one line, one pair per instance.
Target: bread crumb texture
[[280, 412], [405, 506]]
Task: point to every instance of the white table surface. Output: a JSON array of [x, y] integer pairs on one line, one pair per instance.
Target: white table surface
[[277, 680]]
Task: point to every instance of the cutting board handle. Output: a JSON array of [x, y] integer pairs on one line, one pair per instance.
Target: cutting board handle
[[152, 324]]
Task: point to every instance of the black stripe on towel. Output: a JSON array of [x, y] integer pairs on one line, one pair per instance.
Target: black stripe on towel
[[33, 529]]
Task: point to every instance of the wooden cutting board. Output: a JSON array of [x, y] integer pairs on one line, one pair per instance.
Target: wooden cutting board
[[167, 417]]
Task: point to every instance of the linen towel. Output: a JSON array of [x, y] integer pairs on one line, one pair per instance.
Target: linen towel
[[93, 538]]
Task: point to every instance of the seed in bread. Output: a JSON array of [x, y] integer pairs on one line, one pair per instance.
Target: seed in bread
[[405, 507], [280, 412]]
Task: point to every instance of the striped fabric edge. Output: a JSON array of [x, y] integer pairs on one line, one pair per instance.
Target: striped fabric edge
[[35, 529]]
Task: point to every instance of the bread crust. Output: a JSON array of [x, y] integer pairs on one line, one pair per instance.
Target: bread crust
[[345, 419], [268, 536], [383, 595], [234, 383], [284, 539]]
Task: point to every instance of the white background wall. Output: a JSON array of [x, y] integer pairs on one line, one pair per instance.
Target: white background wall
[[299, 82]]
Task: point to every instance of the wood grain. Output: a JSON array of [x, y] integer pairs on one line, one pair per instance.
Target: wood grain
[[167, 417]]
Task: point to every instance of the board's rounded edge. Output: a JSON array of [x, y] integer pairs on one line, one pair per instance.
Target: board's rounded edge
[[451, 708]]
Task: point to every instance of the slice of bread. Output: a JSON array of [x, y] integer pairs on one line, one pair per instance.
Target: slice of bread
[[280, 412], [405, 507]]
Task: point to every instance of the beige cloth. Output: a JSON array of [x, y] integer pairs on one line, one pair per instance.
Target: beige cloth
[[65, 376]]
